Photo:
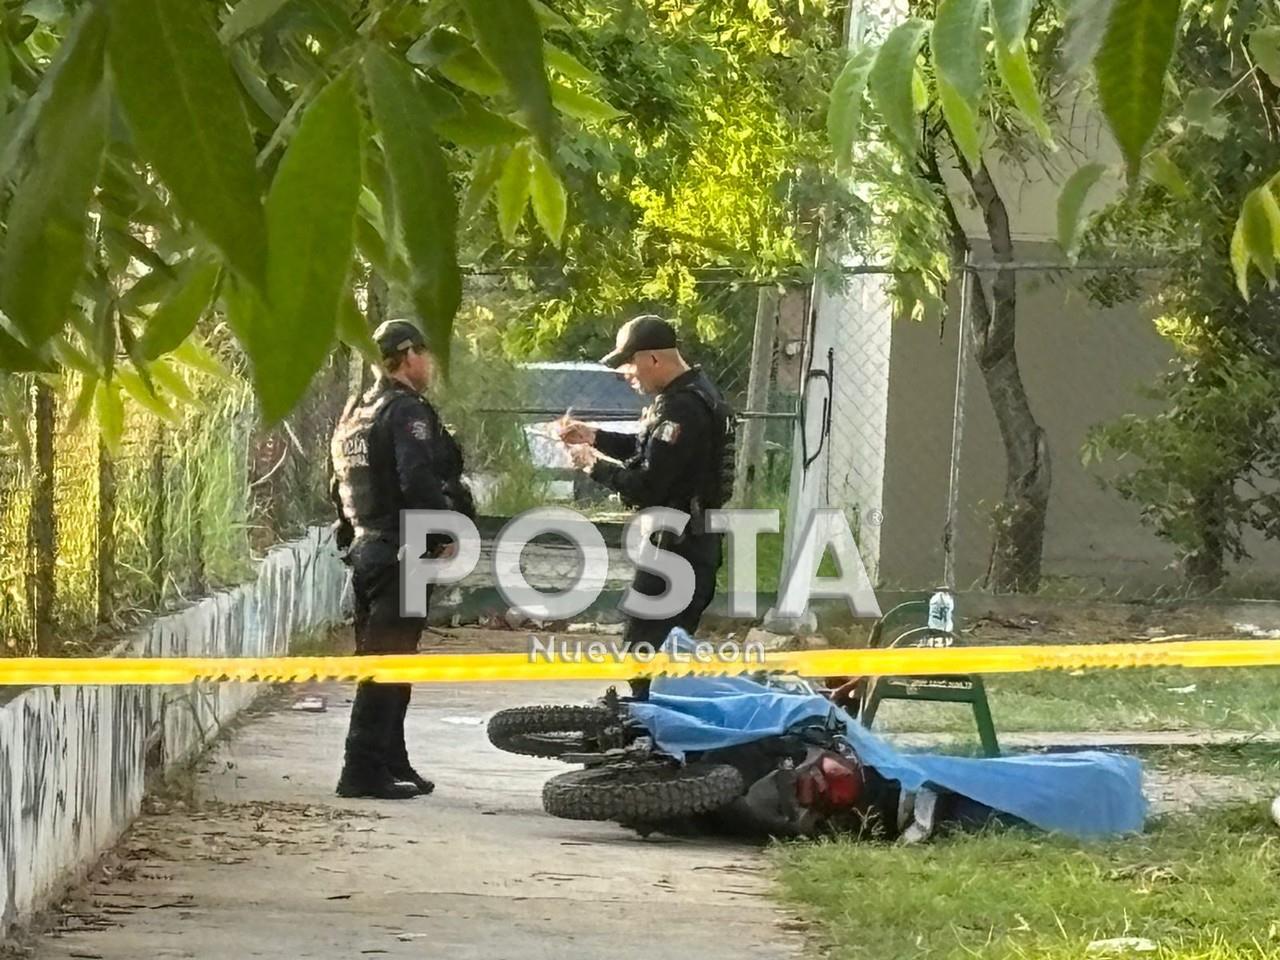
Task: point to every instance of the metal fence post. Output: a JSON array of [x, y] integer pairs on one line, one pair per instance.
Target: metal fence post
[[750, 454], [106, 556], [957, 429]]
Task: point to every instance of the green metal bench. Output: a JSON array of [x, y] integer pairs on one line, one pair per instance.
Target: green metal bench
[[896, 629]]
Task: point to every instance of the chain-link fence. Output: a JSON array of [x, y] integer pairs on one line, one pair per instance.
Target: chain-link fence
[[91, 541], [1050, 463], [745, 335]]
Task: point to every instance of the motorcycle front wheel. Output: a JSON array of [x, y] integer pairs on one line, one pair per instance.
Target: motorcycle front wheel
[[549, 731], [641, 793]]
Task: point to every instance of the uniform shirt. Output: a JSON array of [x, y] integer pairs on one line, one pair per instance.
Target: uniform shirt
[[668, 463], [390, 452]]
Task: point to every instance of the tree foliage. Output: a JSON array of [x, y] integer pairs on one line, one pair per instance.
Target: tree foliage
[[165, 158], [719, 171], [1206, 463]]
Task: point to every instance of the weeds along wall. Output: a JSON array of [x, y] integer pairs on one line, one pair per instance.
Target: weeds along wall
[[102, 525]]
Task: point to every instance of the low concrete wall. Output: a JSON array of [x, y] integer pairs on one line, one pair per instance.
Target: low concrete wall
[[74, 761]]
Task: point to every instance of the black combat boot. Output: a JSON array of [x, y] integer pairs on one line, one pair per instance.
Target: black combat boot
[[398, 754], [364, 770]]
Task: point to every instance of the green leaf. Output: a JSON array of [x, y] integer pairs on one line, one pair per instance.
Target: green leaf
[[248, 15], [963, 122], [1262, 230], [439, 45], [549, 201], [1009, 21], [83, 406], [353, 330], [513, 190], [109, 411], [1130, 66], [583, 106], [510, 37], [195, 134], [194, 354], [1071, 203], [844, 112], [471, 71], [1014, 67], [919, 92], [6, 77], [1240, 257], [17, 357], [1218, 15], [309, 249], [1086, 23], [569, 65], [178, 315], [150, 288], [890, 81], [165, 376], [485, 171], [1199, 109], [1264, 44], [46, 242], [957, 46], [425, 208], [549, 18], [475, 128], [1162, 170], [142, 395]]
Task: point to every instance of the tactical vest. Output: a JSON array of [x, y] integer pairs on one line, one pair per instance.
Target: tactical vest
[[717, 482], [364, 465]]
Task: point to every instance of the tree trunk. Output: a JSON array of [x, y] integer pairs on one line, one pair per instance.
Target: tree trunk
[[44, 522], [1204, 569], [1019, 519]]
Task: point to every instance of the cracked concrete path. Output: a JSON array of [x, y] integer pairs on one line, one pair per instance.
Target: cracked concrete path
[[264, 861]]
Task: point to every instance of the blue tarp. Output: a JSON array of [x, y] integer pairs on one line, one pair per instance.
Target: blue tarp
[[1084, 794]]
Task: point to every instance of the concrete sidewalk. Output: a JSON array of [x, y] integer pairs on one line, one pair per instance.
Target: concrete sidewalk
[[267, 862]]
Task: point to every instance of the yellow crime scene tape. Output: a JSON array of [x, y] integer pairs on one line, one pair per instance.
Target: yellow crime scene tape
[[482, 667]]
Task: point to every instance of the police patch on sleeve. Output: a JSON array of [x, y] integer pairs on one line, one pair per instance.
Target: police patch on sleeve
[[668, 431], [419, 429]]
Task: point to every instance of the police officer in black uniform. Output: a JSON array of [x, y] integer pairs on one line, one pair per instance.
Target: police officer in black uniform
[[683, 458], [390, 452]]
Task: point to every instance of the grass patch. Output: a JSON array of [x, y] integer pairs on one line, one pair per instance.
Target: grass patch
[[1201, 887], [322, 642], [1144, 699]]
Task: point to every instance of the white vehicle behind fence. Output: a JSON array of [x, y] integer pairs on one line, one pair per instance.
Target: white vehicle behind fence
[[595, 394]]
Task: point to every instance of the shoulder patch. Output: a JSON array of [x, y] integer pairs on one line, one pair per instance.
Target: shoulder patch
[[419, 429], [668, 431]]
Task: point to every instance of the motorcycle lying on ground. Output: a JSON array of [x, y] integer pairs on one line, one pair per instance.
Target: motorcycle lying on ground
[[806, 781], [772, 756]]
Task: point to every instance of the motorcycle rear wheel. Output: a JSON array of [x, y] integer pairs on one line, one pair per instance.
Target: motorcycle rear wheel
[[641, 793], [549, 731]]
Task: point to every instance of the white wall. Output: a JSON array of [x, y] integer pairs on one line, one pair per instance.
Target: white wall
[[74, 760]]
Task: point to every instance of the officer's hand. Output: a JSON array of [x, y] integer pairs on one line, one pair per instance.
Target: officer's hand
[[575, 432], [582, 457]]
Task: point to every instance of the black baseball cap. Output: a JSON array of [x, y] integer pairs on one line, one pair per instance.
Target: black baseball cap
[[394, 336], [648, 332]]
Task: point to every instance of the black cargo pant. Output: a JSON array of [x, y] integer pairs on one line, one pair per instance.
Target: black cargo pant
[[704, 553], [375, 738]]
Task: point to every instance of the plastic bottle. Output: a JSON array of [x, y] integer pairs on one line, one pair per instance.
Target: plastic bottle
[[941, 611]]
